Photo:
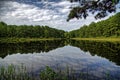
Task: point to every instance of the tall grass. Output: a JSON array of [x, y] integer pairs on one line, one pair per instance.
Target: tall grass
[[20, 73]]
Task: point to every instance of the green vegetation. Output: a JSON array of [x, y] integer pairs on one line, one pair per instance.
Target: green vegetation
[[107, 30], [24, 31], [100, 8], [23, 40], [99, 39], [104, 29], [21, 73]]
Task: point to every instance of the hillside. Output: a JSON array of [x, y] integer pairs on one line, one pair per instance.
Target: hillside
[[105, 28]]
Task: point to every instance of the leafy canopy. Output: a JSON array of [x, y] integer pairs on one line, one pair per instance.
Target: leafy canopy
[[100, 7]]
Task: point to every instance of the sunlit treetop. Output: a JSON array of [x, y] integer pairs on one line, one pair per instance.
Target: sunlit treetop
[[100, 8]]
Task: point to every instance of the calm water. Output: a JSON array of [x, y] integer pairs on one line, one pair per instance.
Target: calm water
[[94, 58]]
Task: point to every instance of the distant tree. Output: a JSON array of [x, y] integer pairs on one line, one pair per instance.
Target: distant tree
[[100, 7], [25, 31], [105, 28]]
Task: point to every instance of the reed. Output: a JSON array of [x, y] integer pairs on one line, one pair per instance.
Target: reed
[[20, 73]]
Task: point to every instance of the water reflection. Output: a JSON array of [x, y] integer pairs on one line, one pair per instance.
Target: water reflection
[[41, 46], [92, 58], [107, 50]]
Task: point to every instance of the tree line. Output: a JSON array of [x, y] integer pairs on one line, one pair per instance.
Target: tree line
[[25, 31], [105, 28]]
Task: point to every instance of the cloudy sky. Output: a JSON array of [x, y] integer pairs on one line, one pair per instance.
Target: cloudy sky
[[49, 12]]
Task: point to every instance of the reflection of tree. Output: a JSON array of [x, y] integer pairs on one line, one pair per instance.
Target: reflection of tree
[[41, 46], [108, 50]]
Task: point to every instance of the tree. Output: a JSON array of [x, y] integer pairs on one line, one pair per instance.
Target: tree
[[3, 29], [105, 28], [25, 31], [100, 7]]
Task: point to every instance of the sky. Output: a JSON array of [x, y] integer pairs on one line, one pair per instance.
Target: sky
[[52, 13]]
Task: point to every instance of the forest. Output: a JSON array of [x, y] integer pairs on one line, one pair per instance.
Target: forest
[[25, 31], [105, 28]]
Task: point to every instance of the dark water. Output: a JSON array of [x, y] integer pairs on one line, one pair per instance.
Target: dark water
[[94, 58]]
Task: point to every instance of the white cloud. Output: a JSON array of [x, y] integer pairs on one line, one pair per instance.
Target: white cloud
[[53, 14], [59, 57]]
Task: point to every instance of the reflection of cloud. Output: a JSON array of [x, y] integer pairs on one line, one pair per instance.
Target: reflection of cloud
[[53, 14], [68, 55]]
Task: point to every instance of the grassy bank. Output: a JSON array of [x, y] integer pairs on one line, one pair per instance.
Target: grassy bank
[[22, 40], [108, 39]]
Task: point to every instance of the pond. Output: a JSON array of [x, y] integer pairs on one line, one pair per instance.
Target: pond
[[97, 59]]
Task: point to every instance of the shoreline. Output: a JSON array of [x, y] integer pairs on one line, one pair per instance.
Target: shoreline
[[22, 40], [103, 39]]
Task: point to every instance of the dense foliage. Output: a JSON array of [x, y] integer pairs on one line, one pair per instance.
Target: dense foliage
[[24, 31], [102, 7], [105, 28]]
